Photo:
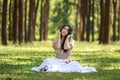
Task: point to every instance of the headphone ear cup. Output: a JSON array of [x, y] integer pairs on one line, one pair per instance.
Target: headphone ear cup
[[70, 33], [60, 29]]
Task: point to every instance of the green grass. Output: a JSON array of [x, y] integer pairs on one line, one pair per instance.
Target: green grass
[[17, 61]]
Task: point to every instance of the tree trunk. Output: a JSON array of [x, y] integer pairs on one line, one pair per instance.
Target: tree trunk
[[119, 22], [83, 17], [41, 21], [46, 15], [88, 21], [107, 18], [114, 19], [76, 20], [20, 26], [44, 19], [15, 22], [10, 22], [80, 24], [25, 24], [31, 18], [93, 17], [102, 9], [0, 18], [4, 23], [34, 20]]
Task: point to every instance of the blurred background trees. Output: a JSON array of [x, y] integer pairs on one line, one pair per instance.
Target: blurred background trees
[[23, 21]]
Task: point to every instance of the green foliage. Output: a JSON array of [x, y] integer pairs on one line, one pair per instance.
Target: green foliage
[[17, 61], [60, 14]]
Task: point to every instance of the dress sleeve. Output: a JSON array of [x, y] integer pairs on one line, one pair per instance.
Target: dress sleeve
[[71, 42]]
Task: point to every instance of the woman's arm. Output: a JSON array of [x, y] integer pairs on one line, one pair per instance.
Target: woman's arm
[[67, 45], [56, 44]]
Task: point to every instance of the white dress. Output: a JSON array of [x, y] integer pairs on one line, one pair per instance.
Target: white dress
[[61, 63]]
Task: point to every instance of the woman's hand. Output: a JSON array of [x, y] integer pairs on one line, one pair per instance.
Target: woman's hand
[[57, 44], [59, 34], [67, 46], [59, 40], [69, 37]]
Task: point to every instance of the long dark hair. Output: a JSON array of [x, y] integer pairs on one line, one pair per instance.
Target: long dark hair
[[69, 33]]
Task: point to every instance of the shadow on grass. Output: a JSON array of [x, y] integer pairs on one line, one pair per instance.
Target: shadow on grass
[[100, 75], [23, 71], [11, 67], [117, 51]]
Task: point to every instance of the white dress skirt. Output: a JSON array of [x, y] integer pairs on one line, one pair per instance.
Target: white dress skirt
[[62, 65]]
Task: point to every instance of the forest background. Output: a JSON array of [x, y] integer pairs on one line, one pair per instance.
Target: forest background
[[23, 21], [27, 28]]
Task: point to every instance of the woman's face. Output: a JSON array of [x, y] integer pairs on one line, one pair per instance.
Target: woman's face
[[65, 31]]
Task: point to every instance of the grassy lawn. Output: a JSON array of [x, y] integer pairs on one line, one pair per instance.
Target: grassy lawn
[[17, 61]]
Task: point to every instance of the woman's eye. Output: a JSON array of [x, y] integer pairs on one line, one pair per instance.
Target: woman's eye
[[65, 29]]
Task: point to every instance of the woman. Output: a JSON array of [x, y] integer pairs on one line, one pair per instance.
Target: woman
[[63, 45]]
